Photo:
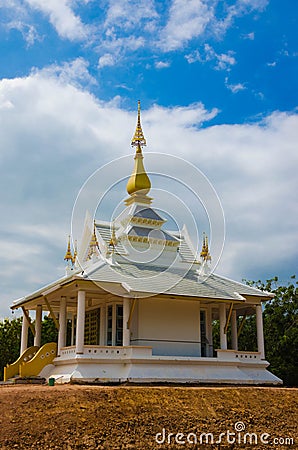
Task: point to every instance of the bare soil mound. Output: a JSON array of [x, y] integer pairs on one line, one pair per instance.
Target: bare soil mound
[[125, 417]]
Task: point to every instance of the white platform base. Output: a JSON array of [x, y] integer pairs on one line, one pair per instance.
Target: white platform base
[[137, 365]]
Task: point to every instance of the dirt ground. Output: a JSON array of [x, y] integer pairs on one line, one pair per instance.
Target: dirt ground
[[126, 417]]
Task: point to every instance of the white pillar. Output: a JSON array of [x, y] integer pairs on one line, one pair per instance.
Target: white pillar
[[222, 323], [62, 325], [24, 336], [126, 330], [260, 334], [234, 330], [80, 331], [38, 319], [102, 325], [72, 329], [199, 330], [209, 335]]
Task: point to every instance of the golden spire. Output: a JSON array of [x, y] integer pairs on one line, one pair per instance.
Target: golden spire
[[113, 240], [68, 255], [138, 139], [93, 246], [139, 184], [205, 255], [75, 253]]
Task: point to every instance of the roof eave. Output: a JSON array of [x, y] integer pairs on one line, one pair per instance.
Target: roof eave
[[43, 292]]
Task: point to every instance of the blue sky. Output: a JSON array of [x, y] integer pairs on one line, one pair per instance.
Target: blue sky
[[218, 85]]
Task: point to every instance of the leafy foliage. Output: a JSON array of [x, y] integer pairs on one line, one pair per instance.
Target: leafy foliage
[[281, 328], [49, 332], [10, 337]]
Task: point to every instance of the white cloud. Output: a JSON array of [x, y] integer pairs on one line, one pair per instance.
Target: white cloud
[[223, 61], [74, 72], [192, 115], [54, 135], [237, 9], [28, 31], [129, 14], [62, 17], [187, 20], [250, 36], [193, 57], [234, 87], [124, 26], [106, 60], [118, 47], [162, 64]]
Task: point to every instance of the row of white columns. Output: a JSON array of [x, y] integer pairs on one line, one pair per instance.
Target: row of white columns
[[80, 326], [80, 329], [25, 329], [234, 331]]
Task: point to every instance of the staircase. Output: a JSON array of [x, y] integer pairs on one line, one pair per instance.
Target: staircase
[[32, 361], [12, 370]]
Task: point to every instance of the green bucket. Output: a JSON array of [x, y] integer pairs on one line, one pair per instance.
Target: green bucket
[[51, 381]]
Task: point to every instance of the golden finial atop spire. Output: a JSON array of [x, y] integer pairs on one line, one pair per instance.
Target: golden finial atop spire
[[138, 184], [68, 255], [138, 139], [75, 253], [113, 240], [205, 255], [93, 246]]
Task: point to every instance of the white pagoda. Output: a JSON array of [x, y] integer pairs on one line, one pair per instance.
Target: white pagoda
[[132, 320]]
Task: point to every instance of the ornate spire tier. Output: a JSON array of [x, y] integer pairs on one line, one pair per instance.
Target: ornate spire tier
[[93, 246], [138, 139], [68, 255], [139, 183], [205, 255]]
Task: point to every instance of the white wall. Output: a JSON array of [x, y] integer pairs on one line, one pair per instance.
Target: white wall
[[170, 327]]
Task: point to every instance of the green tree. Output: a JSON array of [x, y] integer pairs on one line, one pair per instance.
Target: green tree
[[247, 341], [10, 337], [280, 328], [49, 332]]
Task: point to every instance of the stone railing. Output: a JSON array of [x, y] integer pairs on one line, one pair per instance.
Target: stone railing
[[234, 355], [107, 352]]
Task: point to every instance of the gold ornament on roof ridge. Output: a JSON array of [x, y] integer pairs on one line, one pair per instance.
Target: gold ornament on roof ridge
[[68, 255], [93, 243], [113, 240], [75, 253], [205, 255]]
